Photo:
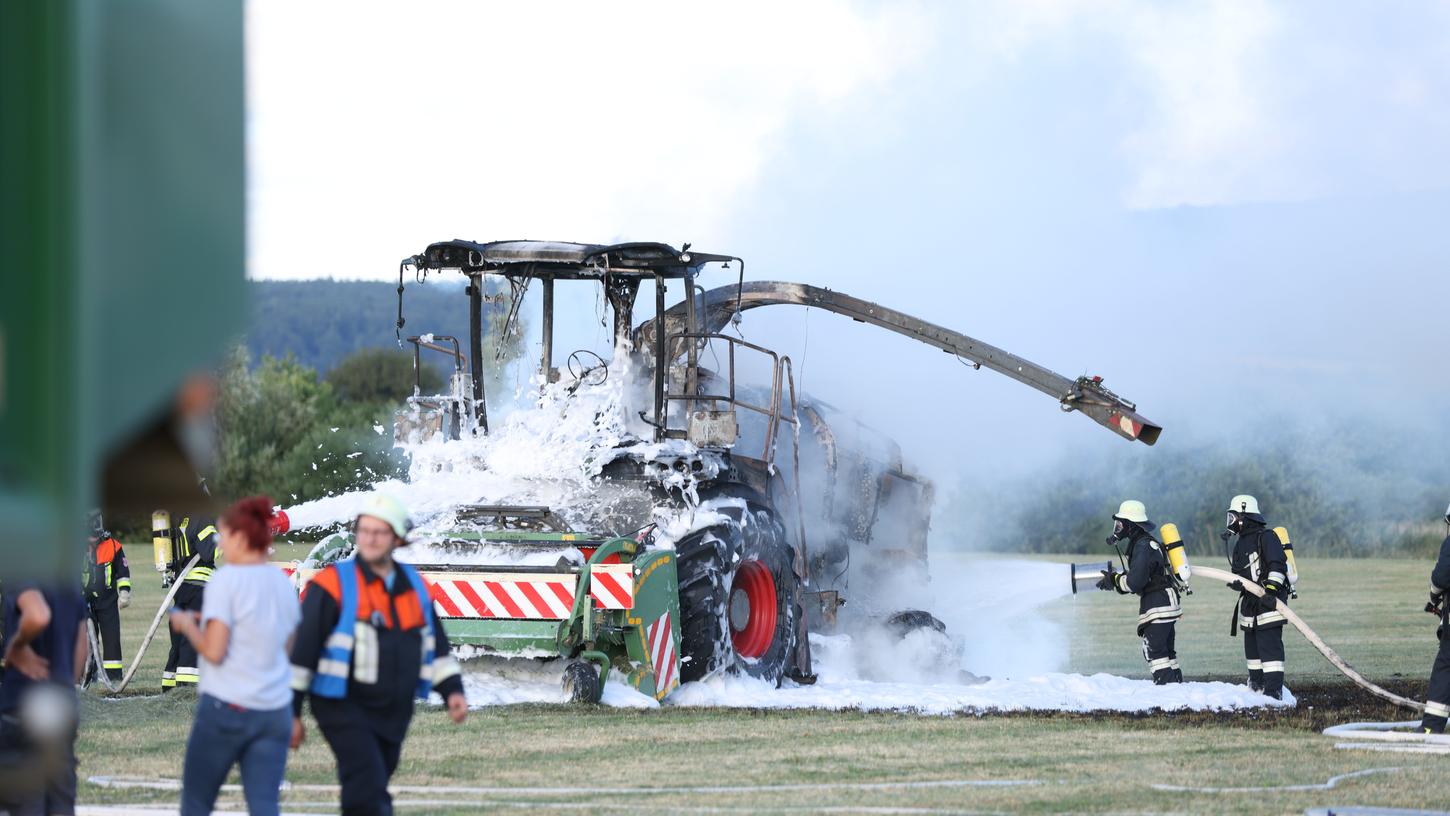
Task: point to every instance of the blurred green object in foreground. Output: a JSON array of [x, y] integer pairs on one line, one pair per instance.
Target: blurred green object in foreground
[[122, 208]]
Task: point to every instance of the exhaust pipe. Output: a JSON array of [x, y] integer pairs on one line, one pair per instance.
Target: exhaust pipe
[[1088, 575]]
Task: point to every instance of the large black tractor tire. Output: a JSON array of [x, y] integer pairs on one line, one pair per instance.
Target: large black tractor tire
[[738, 597]]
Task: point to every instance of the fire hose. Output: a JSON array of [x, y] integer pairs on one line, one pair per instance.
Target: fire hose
[[1314, 640], [145, 642]]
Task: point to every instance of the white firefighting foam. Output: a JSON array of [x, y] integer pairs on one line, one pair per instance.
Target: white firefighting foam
[[841, 686], [993, 620], [544, 455]]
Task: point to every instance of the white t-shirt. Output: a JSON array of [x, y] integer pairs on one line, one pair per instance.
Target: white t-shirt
[[260, 608]]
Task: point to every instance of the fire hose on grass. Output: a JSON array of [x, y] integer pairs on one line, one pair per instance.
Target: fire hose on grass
[[1314, 639], [145, 642], [1387, 736]]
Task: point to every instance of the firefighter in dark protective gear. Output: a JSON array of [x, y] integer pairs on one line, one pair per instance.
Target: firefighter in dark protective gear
[[191, 537], [1258, 555], [1437, 700], [369, 643], [1149, 577], [107, 583]]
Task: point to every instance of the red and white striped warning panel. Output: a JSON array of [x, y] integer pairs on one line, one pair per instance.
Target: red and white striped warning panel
[[523, 596], [527, 596], [530, 596], [662, 655], [612, 585]]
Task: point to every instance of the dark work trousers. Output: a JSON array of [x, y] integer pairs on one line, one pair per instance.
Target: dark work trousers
[[107, 617], [365, 759], [1158, 650], [1437, 702], [181, 667], [1264, 653]]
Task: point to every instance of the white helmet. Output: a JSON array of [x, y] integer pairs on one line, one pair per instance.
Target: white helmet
[[387, 509], [1244, 503], [1132, 510], [1240, 507]]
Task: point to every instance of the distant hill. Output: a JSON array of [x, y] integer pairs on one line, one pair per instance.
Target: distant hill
[[322, 321]]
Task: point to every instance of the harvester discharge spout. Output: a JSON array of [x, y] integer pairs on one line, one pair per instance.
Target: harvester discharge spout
[[1086, 395]]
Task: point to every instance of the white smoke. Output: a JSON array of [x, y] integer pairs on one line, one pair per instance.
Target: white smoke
[[994, 607]]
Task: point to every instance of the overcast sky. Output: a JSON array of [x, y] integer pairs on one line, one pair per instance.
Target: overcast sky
[[1219, 206]]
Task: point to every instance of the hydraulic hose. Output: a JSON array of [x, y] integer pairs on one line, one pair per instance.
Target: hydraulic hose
[[1314, 640]]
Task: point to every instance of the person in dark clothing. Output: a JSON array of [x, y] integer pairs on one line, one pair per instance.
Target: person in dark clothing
[[1437, 699], [191, 537], [108, 591], [44, 656], [369, 642], [1258, 555], [1149, 578]]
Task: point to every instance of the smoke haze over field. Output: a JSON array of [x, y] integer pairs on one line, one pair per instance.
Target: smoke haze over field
[[1234, 211]]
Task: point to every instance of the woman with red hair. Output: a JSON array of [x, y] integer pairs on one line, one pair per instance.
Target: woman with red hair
[[243, 636]]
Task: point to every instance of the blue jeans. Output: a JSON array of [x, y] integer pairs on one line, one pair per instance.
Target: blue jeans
[[223, 735]]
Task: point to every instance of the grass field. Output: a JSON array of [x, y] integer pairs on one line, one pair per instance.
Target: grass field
[[545, 757]]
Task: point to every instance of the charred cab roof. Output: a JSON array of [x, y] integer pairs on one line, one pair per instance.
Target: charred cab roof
[[562, 259]]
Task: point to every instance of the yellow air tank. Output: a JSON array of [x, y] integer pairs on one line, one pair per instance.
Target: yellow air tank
[[161, 539], [1177, 556], [1283, 534]]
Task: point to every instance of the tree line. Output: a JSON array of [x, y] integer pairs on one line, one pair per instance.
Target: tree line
[[321, 322]]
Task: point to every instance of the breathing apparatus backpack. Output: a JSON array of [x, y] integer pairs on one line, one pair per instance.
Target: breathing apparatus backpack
[[1283, 534], [1179, 570], [163, 547]]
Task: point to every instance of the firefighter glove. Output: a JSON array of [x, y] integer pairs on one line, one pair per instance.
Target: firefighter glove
[[1269, 600], [124, 599], [1106, 582], [1237, 586]]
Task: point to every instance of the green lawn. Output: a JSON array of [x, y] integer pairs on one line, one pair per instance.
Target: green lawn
[[1368, 609]]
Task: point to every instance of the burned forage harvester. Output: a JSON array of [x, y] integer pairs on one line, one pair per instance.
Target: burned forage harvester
[[741, 592]]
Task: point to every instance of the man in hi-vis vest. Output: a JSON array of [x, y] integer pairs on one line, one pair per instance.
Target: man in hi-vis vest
[[370, 642]]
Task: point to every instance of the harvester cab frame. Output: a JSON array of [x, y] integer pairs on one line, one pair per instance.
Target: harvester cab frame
[[620, 269]]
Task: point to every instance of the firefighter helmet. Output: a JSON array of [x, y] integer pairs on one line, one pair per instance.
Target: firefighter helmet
[[388, 509], [1132, 510], [1243, 506]]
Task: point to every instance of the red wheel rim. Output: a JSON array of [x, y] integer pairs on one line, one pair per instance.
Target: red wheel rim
[[756, 587]]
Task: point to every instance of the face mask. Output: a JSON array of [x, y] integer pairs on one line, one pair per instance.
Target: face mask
[[1232, 521]]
